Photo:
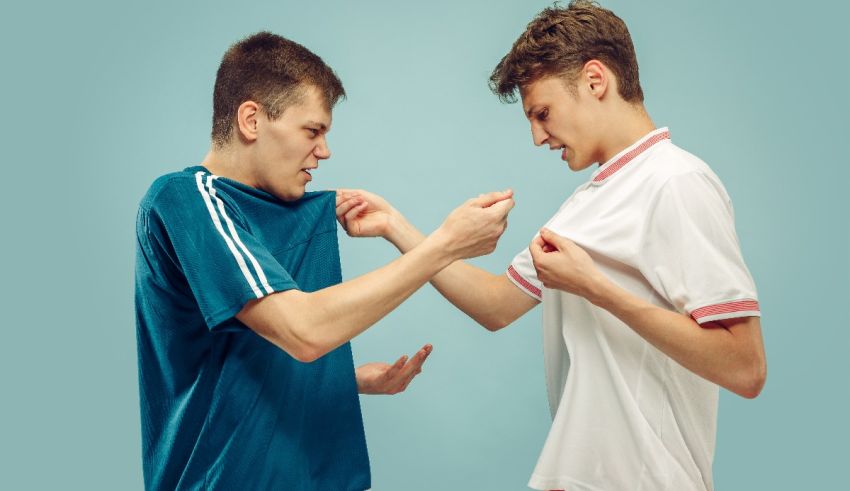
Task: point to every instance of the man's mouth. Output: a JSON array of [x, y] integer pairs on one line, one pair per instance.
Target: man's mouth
[[564, 153]]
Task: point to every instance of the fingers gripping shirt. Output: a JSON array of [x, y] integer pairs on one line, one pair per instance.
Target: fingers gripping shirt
[[222, 408], [657, 221]]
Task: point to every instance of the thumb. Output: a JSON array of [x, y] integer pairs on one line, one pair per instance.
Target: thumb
[[536, 248], [489, 199]]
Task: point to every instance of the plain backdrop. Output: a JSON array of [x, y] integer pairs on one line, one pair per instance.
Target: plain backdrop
[[99, 98]]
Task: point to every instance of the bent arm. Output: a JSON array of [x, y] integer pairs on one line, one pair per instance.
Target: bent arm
[[489, 299], [727, 352], [309, 325]]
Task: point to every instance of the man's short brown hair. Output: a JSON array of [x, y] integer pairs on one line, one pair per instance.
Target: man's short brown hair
[[272, 71], [559, 41]]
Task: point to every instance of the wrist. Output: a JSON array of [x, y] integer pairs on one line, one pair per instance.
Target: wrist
[[401, 233], [440, 247], [600, 292]]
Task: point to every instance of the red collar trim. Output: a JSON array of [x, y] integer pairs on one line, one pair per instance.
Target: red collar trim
[[618, 162]]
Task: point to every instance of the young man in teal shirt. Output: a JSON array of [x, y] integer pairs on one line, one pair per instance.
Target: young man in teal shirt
[[246, 374]]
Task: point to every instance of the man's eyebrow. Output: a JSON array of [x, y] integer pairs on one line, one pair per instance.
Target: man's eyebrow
[[322, 126]]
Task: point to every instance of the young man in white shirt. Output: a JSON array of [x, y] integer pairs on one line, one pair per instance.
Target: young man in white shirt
[[648, 305]]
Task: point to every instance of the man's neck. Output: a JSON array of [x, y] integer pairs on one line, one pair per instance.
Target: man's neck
[[225, 162], [630, 125]]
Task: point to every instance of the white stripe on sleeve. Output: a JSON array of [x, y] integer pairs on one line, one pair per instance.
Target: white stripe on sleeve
[[239, 259], [260, 273]]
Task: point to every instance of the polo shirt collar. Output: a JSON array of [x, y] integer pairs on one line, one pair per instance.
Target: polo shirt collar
[[617, 162]]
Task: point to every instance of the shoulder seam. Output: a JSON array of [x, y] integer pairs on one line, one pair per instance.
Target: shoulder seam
[[168, 179]]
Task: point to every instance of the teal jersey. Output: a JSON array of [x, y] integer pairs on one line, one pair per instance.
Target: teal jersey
[[222, 408]]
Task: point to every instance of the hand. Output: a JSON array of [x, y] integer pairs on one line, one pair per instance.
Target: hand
[[382, 378], [363, 214], [563, 265], [473, 228]]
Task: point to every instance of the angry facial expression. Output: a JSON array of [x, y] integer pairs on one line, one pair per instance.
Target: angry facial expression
[[288, 149]]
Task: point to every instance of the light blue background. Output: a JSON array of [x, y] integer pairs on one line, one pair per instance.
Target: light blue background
[[100, 98]]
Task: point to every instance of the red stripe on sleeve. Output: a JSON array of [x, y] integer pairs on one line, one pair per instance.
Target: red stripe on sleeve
[[524, 282], [725, 308]]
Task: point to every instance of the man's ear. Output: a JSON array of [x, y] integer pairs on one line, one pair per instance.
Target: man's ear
[[246, 120], [595, 78]]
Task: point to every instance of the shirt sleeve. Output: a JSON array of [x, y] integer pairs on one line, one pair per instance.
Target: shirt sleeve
[[522, 273], [224, 264], [691, 254]]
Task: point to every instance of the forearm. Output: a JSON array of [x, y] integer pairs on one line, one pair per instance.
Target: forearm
[[308, 325], [714, 353], [476, 292]]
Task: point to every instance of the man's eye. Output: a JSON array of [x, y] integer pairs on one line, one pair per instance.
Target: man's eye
[[543, 114], [313, 132]]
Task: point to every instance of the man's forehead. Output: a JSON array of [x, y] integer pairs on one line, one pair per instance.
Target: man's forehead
[[313, 109], [542, 91], [529, 99]]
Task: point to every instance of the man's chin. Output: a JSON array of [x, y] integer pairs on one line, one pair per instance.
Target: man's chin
[[577, 165], [574, 165], [290, 195]]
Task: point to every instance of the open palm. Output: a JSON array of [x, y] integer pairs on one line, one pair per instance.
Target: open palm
[[383, 378]]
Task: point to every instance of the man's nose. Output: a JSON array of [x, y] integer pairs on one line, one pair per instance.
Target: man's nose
[[322, 150], [538, 135]]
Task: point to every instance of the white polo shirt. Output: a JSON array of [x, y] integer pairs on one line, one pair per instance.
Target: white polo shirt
[[658, 222]]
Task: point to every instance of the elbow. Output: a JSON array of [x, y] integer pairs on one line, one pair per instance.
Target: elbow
[[491, 326], [283, 323], [751, 385], [305, 354], [756, 385], [301, 342], [305, 348], [494, 324]]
